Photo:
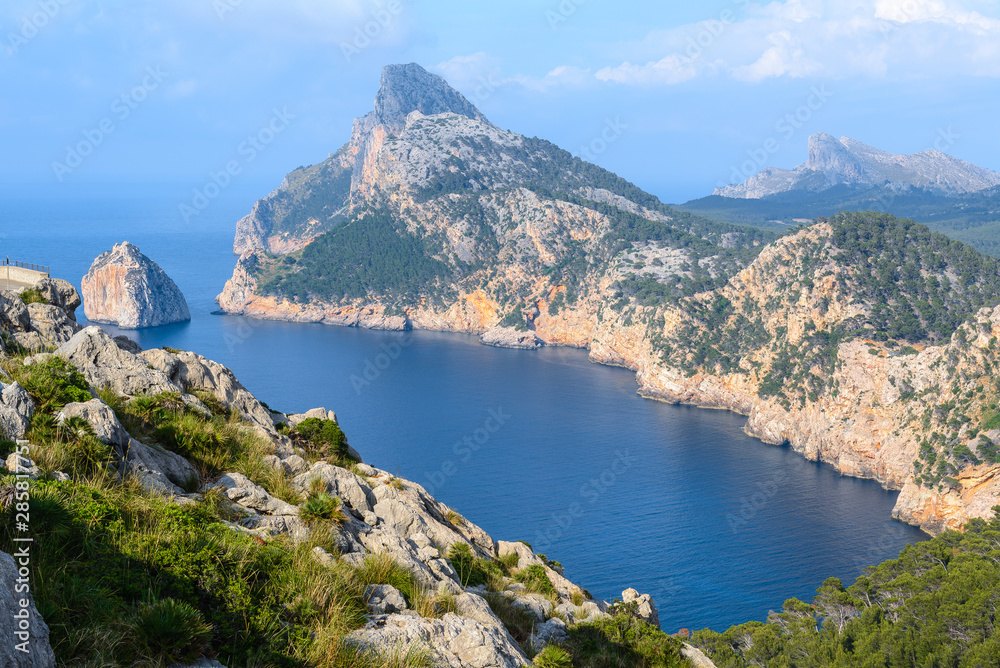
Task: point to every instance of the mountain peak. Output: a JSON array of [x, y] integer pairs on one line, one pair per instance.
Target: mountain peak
[[850, 162], [408, 88]]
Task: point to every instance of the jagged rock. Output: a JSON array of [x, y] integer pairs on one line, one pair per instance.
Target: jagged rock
[[103, 363], [384, 599], [473, 606], [61, 294], [695, 657], [323, 557], [192, 371], [407, 88], [404, 553], [125, 288], [646, 610], [352, 490], [536, 604], [576, 613], [102, 418], [14, 315], [52, 323], [33, 635], [296, 419], [454, 641], [552, 631], [240, 489], [528, 558], [21, 465], [158, 470], [277, 525], [16, 409], [509, 337], [127, 344]]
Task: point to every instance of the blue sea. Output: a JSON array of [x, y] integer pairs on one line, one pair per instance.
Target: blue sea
[[541, 446]]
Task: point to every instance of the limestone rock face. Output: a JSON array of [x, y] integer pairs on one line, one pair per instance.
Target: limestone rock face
[[39, 652], [456, 642], [646, 608], [16, 409], [126, 288], [509, 337], [104, 363], [61, 294]]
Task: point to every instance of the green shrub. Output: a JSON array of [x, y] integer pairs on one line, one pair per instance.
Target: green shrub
[[321, 438], [516, 619], [553, 657], [173, 630], [52, 383], [622, 641], [322, 506], [33, 296], [535, 579]]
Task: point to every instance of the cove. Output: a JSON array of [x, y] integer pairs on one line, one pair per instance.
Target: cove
[[541, 446]]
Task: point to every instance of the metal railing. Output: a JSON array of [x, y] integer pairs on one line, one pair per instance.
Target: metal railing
[[40, 268]]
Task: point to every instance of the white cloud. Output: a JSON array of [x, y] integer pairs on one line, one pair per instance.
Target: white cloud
[[479, 71], [670, 70], [829, 38]]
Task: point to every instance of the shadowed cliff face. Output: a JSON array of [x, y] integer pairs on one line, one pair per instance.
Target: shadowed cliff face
[[126, 288], [449, 223]]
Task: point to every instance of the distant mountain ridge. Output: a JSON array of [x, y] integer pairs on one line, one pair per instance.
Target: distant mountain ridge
[[849, 162]]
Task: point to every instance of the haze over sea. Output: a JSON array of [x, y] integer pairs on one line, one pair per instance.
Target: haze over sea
[[674, 501]]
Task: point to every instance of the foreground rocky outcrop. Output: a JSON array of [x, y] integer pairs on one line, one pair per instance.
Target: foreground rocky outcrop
[[24, 636], [124, 287], [381, 515]]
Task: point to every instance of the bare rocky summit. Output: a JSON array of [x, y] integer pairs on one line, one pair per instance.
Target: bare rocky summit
[[849, 162], [126, 288]]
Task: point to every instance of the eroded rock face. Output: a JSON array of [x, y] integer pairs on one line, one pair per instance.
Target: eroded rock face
[[454, 641], [16, 409], [104, 363], [645, 607], [38, 652], [126, 288]]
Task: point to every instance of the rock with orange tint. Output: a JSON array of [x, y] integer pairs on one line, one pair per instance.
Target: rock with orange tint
[[126, 288]]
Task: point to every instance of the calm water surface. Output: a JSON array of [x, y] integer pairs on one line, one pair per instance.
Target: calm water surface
[[541, 446]]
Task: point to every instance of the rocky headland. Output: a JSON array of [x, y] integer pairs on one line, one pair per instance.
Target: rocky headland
[[125, 288], [862, 341]]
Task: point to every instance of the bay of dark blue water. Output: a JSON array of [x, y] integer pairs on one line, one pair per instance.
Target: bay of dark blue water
[[542, 446]]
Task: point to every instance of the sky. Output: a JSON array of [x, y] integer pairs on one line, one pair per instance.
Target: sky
[[677, 97]]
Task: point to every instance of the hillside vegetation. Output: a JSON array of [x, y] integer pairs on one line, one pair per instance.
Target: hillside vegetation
[[936, 606]]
